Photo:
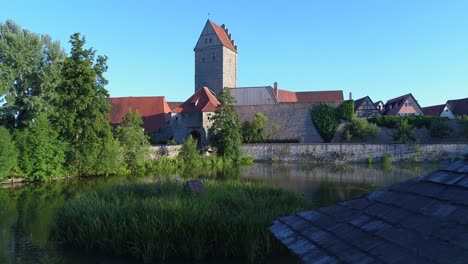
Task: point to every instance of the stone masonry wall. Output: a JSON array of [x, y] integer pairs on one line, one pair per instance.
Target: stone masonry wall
[[341, 153], [353, 152]]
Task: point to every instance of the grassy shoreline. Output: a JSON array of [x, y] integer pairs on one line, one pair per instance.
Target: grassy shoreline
[[159, 221]]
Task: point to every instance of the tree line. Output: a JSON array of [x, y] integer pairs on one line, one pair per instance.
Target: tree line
[[54, 114]]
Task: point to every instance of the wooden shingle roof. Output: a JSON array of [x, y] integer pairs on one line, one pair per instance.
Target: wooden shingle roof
[[423, 220]]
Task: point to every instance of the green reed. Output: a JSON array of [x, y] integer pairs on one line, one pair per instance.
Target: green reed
[[158, 221]]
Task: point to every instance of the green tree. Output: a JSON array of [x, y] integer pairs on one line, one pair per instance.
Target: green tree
[[254, 131], [325, 120], [82, 116], [189, 152], [225, 134], [30, 67], [345, 110], [404, 132], [8, 153], [41, 152], [133, 141]]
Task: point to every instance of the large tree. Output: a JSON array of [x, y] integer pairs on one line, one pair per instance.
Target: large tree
[[82, 116], [41, 152], [133, 141], [8, 153], [225, 133], [30, 67]]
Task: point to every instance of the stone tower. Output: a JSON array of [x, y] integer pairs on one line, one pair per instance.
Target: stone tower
[[215, 59]]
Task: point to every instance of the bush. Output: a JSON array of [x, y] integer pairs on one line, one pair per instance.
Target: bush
[[325, 120], [157, 221], [463, 124], [392, 121], [172, 142], [345, 110], [360, 128], [404, 133], [440, 128], [189, 152], [8, 153], [253, 132]]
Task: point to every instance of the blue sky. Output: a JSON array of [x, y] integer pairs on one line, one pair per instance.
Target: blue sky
[[380, 48]]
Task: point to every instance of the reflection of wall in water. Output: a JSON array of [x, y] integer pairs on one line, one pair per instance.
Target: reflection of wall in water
[[339, 183]]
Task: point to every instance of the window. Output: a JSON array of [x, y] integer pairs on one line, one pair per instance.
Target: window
[[203, 60], [214, 58], [206, 41], [210, 40], [406, 104], [176, 118]]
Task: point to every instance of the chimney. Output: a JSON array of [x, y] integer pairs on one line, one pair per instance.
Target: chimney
[[232, 42], [229, 36], [275, 90], [350, 96], [223, 26], [227, 31], [235, 47]]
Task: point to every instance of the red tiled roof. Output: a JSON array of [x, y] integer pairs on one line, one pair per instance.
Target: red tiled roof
[[202, 100], [309, 97], [174, 105], [458, 107], [153, 110], [223, 37], [434, 110]]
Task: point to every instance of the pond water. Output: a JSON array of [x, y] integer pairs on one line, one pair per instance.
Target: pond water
[[26, 212]]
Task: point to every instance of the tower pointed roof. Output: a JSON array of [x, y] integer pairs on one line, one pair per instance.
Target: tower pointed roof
[[202, 100], [221, 33]]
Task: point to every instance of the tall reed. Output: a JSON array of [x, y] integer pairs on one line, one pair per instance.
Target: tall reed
[[157, 221]]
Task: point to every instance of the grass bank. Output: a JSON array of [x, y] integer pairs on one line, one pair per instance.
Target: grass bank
[[159, 221]]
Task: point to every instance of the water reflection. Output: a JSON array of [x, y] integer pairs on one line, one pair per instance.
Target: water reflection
[[26, 212], [322, 185]]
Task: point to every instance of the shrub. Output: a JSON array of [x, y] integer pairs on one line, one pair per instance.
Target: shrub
[[253, 132], [392, 121], [189, 152], [157, 221], [463, 125], [404, 133], [345, 110], [172, 142], [440, 128], [361, 128], [387, 162], [325, 120], [8, 153]]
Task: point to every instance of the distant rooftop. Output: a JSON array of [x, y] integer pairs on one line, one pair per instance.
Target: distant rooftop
[[423, 220]]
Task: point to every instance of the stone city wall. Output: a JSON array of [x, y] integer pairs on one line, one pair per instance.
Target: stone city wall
[[353, 152]]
